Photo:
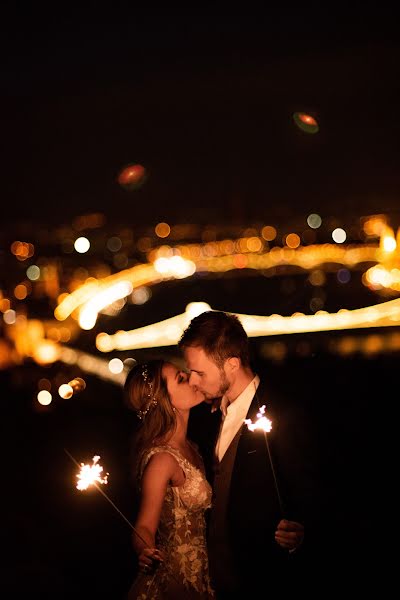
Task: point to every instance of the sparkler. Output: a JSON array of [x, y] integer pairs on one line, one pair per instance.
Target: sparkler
[[262, 421], [265, 425], [91, 475]]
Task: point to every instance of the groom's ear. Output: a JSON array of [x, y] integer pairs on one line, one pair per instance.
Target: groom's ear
[[233, 363]]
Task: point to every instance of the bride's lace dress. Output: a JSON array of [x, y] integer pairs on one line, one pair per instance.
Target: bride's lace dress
[[182, 538]]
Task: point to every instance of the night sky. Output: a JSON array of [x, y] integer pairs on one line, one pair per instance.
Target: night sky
[[204, 101]]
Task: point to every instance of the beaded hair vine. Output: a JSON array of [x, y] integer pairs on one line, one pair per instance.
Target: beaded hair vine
[[150, 397]]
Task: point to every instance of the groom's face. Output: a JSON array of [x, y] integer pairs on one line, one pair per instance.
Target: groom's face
[[204, 374]]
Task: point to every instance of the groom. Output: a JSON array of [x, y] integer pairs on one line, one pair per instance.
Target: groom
[[260, 481]]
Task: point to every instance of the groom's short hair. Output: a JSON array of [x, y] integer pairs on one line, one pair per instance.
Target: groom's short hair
[[220, 334]]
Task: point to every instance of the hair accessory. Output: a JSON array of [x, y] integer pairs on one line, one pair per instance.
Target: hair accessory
[[150, 397]]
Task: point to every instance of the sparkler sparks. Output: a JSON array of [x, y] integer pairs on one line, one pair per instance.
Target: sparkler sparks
[[91, 474], [262, 422]]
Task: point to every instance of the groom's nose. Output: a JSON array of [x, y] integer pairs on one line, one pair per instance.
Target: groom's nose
[[193, 379]]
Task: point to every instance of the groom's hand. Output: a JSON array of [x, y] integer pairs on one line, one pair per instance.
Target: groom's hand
[[289, 534]]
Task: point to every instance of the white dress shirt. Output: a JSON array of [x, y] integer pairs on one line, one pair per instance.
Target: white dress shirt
[[233, 415]]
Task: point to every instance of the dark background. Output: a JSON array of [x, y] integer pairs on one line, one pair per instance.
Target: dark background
[[204, 100]]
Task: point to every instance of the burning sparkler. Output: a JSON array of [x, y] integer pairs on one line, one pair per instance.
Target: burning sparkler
[[265, 425], [89, 474], [262, 421], [92, 475]]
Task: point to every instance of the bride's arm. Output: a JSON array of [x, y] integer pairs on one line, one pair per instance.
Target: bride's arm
[[159, 471]]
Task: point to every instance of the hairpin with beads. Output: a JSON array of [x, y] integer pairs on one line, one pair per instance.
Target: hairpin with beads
[[150, 397]]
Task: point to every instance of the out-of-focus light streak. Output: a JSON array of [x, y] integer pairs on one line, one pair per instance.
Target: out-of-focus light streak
[[96, 295], [169, 331], [164, 333], [176, 267], [91, 364], [138, 275], [40, 340], [211, 258], [90, 310]]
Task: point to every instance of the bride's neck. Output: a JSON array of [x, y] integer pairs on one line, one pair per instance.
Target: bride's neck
[[178, 438]]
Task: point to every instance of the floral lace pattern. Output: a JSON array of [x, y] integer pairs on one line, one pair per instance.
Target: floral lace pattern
[[182, 538]]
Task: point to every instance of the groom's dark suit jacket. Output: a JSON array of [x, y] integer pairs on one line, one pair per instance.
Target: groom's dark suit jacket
[[253, 509]]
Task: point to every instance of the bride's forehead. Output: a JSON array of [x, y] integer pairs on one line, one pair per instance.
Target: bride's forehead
[[170, 370]]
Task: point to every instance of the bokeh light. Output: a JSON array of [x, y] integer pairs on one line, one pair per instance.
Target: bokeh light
[[77, 384], [141, 295], [306, 122], [116, 365], [343, 276], [162, 230], [33, 272], [129, 362], [65, 391], [82, 245], [114, 243], [9, 316], [132, 177], [317, 277], [314, 221], [292, 240], [20, 291], [339, 235], [44, 397], [268, 233], [44, 384]]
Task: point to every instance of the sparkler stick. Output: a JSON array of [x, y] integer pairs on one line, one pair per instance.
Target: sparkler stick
[[265, 424]]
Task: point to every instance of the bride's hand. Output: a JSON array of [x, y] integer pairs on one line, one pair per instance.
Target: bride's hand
[[149, 559]]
